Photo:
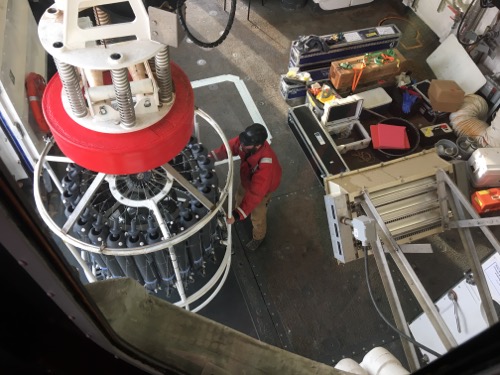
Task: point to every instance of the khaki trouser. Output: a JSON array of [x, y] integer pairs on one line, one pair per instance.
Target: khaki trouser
[[258, 215]]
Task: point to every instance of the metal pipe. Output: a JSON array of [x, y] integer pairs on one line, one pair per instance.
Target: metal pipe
[[188, 186], [166, 234], [148, 248], [477, 14], [394, 302], [164, 75], [53, 177], [472, 223], [475, 263], [411, 277], [58, 159], [227, 262], [86, 270], [71, 84], [460, 5], [456, 4], [470, 210], [196, 131], [104, 93], [346, 221], [123, 97]]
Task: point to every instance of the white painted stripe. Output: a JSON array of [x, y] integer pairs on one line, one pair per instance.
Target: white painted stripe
[[244, 94]]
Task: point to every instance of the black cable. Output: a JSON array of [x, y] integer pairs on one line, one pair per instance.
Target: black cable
[[459, 37], [402, 334], [198, 42], [462, 22]]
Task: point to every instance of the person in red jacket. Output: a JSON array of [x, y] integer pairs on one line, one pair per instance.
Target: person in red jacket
[[260, 175]]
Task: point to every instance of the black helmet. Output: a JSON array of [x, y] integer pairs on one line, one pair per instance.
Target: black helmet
[[254, 135]]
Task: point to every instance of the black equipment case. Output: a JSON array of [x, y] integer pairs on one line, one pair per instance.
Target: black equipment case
[[309, 52], [315, 142]]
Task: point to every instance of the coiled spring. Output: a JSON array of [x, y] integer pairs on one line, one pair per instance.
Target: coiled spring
[[123, 97], [102, 17], [71, 84], [164, 75]]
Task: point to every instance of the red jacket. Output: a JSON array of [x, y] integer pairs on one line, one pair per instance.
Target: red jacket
[[260, 173]]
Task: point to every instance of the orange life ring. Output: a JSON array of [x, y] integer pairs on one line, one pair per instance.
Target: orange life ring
[[35, 86]]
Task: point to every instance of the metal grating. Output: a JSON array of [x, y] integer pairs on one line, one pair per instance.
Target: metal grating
[[410, 211]]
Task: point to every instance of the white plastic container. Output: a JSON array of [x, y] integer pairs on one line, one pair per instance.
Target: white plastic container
[[341, 120], [484, 165], [375, 99]]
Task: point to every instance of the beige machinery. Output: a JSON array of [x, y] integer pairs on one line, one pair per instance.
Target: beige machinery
[[403, 191], [386, 207]]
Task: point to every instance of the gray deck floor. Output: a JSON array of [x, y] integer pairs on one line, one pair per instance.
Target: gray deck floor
[[292, 293]]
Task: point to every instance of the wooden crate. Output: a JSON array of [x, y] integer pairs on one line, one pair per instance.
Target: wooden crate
[[342, 79]]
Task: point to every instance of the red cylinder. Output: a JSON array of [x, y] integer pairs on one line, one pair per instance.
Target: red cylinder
[[124, 153], [35, 85]]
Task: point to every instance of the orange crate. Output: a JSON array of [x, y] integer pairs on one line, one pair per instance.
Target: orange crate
[[486, 200], [342, 78]]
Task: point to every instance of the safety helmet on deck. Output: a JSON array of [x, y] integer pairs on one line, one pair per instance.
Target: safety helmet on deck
[[254, 135]]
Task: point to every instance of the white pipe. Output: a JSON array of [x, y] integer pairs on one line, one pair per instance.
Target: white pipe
[[227, 261], [380, 361], [86, 270], [351, 366], [173, 256], [53, 177], [58, 159], [100, 93]]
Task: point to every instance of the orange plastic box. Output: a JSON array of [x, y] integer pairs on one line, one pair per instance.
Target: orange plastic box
[[486, 200]]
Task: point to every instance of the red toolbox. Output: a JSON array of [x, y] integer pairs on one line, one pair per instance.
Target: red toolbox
[[486, 200]]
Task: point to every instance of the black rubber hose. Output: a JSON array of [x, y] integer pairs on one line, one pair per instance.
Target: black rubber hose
[[199, 42], [401, 333], [460, 25]]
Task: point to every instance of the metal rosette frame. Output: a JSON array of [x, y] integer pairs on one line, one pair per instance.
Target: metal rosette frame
[[138, 195], [163, 227]]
